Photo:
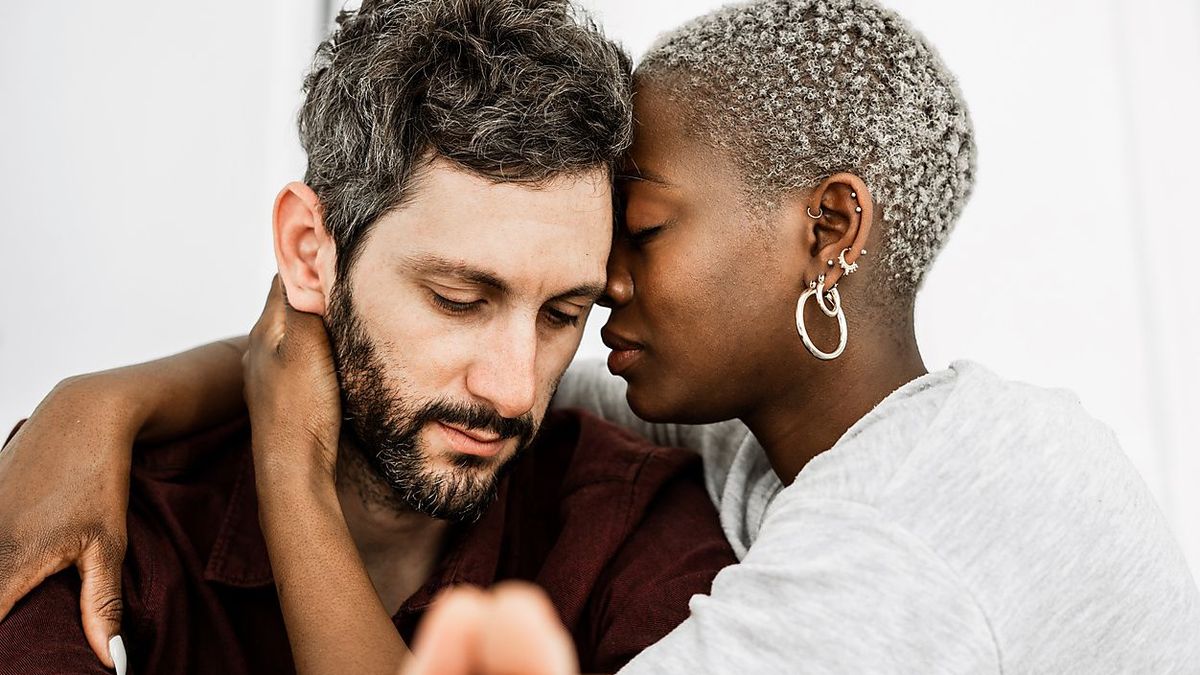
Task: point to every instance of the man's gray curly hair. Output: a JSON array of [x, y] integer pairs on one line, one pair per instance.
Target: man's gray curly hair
[[797, 90], [513, 90]]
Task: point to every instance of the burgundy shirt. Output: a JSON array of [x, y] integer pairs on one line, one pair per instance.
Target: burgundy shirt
[[619, 533]]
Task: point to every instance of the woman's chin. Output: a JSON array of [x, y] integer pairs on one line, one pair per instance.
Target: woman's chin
[[659, 404], [648, 404], [663, 405]]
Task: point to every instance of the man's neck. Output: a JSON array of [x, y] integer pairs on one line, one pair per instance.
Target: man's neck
[[400, 548]]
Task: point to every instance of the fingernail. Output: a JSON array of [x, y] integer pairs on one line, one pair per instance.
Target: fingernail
[[116, 652]]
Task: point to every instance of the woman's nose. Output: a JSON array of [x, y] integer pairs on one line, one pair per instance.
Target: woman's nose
[[618, 290]]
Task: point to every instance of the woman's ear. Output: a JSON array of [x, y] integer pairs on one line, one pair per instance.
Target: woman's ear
[[839, 214], [304, 250]]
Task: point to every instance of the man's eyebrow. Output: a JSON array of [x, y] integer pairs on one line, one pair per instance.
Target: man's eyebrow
[[433, 264], [589, 292]]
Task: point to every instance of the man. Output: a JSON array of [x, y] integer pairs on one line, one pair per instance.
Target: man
[[452, 230]]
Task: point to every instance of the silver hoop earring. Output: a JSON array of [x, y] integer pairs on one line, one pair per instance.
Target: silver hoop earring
[[827, 296], [819, 290], [820, 213], [848, 268]]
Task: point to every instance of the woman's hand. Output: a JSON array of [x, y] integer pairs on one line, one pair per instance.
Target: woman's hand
[[291, 389], [64, 493], [510, 628], [335, 620]]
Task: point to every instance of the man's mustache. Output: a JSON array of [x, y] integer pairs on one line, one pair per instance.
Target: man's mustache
[[477, 417]]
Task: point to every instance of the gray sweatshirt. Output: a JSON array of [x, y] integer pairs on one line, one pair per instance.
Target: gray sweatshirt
[[965, 525]]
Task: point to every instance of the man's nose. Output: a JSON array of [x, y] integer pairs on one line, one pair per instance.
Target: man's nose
[[505, 373]]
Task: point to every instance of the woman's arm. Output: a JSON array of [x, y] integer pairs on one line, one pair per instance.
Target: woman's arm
[[335, 620], [64, 476]]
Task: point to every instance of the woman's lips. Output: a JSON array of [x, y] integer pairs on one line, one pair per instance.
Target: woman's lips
[[625, 352], [472, 441]]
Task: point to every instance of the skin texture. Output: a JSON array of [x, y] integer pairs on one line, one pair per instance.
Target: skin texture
[[475, 292], [704, 309], [711, 296], [543, 248]]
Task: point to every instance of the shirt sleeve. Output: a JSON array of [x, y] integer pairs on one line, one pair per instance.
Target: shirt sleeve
[[830, 588], [43, 633]]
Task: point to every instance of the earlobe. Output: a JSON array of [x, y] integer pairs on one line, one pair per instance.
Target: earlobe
[[304, 250]]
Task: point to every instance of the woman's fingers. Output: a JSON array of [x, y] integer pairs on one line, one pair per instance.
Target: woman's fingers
[[525, 635], [100, 597], [448, 637], [21, 570], [509, 630]]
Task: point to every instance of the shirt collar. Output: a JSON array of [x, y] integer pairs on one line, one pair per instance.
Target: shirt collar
[[239, 555]]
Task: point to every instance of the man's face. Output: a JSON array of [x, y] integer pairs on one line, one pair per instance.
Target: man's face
[[457, 320]]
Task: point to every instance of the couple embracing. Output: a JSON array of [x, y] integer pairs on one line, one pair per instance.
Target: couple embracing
[[401, 470]]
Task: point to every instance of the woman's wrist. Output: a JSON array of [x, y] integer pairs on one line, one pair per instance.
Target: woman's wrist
[[292, 459]]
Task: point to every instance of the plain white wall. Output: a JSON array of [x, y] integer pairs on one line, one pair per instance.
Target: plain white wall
[[142, 143]]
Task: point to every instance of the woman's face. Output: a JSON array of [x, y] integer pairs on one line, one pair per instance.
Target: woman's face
[[703, 292]]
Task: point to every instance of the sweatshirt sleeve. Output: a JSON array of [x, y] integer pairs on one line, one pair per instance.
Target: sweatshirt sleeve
[[830, 587]]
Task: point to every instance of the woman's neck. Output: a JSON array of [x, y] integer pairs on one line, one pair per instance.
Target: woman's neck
[[808, 414]]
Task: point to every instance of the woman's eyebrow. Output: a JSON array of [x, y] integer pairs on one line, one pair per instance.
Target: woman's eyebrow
[[634, 173]]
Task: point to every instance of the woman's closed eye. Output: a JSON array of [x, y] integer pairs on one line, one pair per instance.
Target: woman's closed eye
[[640, 236]]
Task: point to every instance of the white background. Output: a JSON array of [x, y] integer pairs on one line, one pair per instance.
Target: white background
[[142, 142]]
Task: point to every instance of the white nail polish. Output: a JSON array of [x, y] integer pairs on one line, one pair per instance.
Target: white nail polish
[[116, 652]]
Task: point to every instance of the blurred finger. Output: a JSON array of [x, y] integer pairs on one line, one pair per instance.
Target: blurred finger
[[446, 641], [525, 635]]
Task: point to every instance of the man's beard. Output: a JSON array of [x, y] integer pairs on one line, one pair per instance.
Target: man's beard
[[385, 427]]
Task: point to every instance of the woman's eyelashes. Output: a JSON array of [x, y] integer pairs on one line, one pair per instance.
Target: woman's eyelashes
[[639, 237]]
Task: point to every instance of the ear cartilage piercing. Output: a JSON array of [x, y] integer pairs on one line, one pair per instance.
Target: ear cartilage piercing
[[847, 268], [864, 251], [831, 263], [858, 209], [854, 195], [820, 213]]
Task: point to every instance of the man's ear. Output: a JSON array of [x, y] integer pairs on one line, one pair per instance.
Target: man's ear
[[304, 251]]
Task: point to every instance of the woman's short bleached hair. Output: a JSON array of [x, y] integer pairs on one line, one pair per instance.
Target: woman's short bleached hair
[[797, 90]]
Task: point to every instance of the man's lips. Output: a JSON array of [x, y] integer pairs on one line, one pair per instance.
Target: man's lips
[[625, 352], [472, 441]]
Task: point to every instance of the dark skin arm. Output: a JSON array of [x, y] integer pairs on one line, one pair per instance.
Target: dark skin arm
[[90, 424], [64, 476], [335, 620]]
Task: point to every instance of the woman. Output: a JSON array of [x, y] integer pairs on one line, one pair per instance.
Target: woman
[[797, 167]]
